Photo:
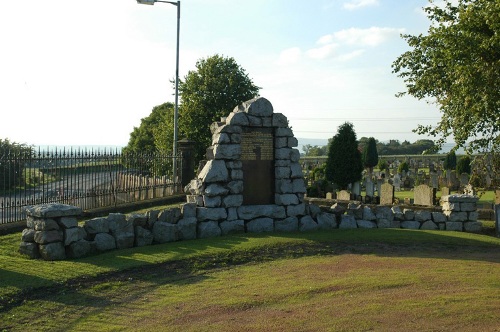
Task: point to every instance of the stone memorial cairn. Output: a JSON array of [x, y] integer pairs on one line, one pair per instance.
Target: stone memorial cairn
[[253, 180]]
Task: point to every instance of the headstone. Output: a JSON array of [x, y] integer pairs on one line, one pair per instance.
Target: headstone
[[497, 196], [424, 195], [434, 183], [343, 195], [386, 194], [497, 218], [445, 191], [356, 188], [464, 179], [369, 188], [396, 181], [380, 182]]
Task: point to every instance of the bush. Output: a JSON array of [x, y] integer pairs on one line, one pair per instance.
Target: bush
[[403, 167], [463, 165]]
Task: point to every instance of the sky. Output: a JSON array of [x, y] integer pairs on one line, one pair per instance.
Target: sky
[[87, 72]]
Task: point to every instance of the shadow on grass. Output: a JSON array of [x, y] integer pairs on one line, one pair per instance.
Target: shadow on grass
[[139, 270]]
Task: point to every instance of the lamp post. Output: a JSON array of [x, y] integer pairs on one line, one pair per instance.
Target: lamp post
[[176, 110]]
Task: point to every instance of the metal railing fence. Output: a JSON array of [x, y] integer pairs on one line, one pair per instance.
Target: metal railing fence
[[86, 178]]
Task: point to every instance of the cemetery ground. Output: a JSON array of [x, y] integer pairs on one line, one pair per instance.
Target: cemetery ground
[[338, 280]]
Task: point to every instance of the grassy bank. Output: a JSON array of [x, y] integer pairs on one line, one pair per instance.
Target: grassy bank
[[336, 280]]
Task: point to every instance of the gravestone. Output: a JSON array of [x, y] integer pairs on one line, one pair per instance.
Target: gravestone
[[380, 182], [434, 183], [445, 191], [497, 196], [369, 188], [356, 188], [497, 219], [386, 194], [343, 195], [464, 179], [396, 181], [424, 195]]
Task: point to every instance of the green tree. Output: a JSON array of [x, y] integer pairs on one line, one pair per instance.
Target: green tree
[[314, 150], [12, 157], [344, 165], [456, 65], [403, 167], [463, 165], [208, 93], [450, 162], [370, 154], [155, 133]]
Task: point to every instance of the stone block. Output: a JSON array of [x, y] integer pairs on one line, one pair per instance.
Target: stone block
[[439, 217], [306, 224], [456, 216], [326, 220], [214, 171], [409, 214], [283, 132], [232, 201], [53, 251], [188, 210], [137, 219], [397, 213], [473, 227], [347, 221], [279, 120], [249, 212], [235, 187], [227, 151], [313, 210], [122, 230], [429, 225], [170, 215], [410, 224], [96, 225], [366, 224], [260, 225], [187, 228], [203, 213], [473, 216], [237, 119], [384, 212], [468, 206], [208, 229], [29, 249], [296, 210], [78, 249], [298, 186], [259, 106], [282, 172], [53, 210], [28, 235], [454, 226], [164, 232], [45, 225], [215, 189], [104, 242], [290, 224], [368, 214], [44, 237], [283, 186], [67, 222], [296, 171], [212, 202], [143, 237], [422, 215], [232, 227], [72, 235], [286, 199]]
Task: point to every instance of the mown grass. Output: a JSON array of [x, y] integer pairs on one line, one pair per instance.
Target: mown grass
[[357, 280]]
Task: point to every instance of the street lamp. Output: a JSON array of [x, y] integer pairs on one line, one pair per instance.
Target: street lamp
[[176, 110]]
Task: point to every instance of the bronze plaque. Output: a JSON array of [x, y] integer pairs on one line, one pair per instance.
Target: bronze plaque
[[257, 157]]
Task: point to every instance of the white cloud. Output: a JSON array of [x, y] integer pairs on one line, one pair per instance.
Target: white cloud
[[373, 36], [323, 52], [357, 4], [289, 56], [351, 55]]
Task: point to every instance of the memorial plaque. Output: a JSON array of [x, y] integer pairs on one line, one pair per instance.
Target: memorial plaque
[[257, 157]]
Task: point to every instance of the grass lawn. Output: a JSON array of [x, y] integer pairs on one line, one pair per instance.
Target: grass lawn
[[339, 280]]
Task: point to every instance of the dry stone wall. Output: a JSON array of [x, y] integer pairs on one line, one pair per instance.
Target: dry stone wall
[[53, 232]]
